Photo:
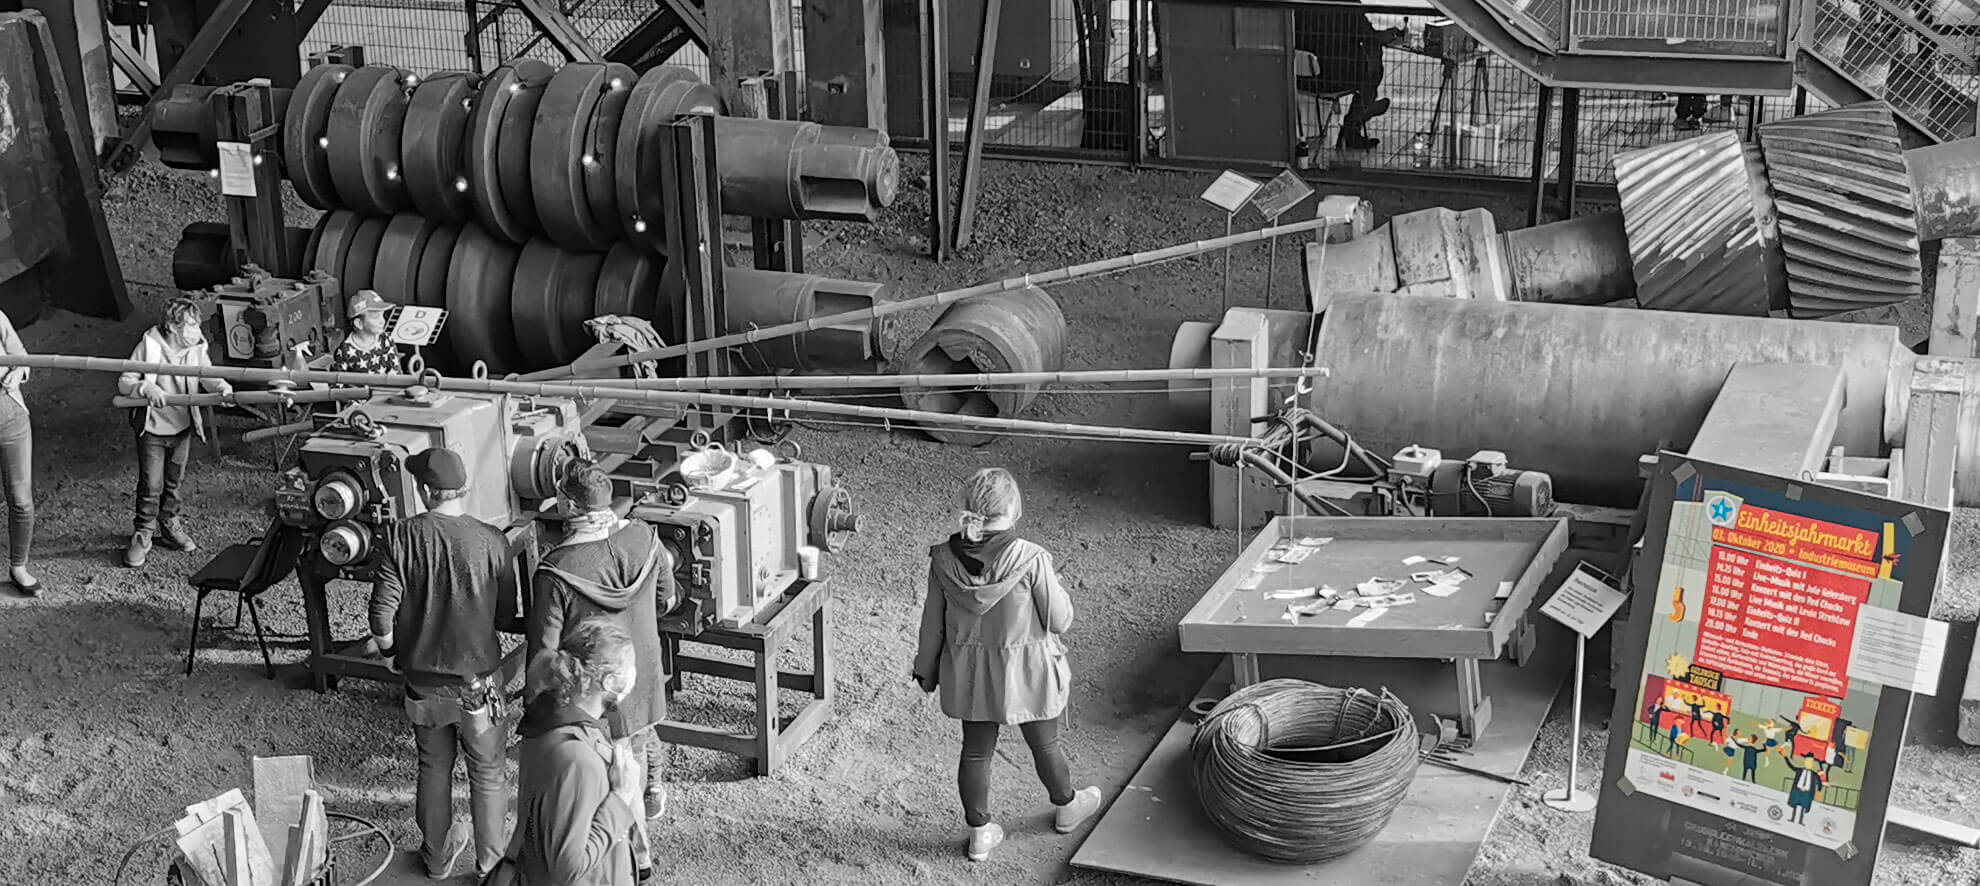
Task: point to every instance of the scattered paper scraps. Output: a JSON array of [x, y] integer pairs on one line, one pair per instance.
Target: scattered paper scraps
[[1505, 590], [1425, 577], [1412, 560], [1268, 568], [1292, 594], [1365, 618], [1441, 590], [1314, 541], [1389, 600], [1294, 612], [1295, 555], [1378, 586], [1329, 593]]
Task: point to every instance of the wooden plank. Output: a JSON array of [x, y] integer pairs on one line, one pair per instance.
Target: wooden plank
[[279, 783], [1956, 300], [1933, 826], [204, 846], [747, 38], [979, 108], [845, 63], [1775, 418]]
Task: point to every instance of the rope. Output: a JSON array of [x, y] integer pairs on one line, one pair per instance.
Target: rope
[[1299, 773]]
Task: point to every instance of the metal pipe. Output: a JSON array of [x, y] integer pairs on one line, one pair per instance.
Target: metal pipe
[[1061, 275], [1578, 392], [1945, 184], [1583, 261], [949, 380], [439, 382], [249, 398], [294, 427]]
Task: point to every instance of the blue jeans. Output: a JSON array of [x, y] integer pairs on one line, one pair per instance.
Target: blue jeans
[[161, 465], [17, 475], [468, 719]]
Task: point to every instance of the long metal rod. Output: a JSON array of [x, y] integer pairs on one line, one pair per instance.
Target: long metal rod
[[941, 380], [247, 398], [1061, 275], [581, 391]]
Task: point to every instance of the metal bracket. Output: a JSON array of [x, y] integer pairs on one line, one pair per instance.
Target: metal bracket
[[691, 19], [135, 67]]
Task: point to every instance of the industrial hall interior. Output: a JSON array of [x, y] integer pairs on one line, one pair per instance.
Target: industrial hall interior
[[1100, 442]]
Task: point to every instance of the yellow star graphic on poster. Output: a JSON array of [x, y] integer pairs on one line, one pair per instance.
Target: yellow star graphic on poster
[[1678, 666]]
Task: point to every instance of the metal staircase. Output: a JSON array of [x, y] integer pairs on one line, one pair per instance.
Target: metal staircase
[[668, 26], [1918, 55]]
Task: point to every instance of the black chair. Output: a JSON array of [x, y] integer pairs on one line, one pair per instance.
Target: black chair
[[246, 570]]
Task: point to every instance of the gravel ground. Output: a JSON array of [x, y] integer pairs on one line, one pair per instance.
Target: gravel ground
[[105, 739]]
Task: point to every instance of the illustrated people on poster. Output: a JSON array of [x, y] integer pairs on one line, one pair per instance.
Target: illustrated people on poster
[[1729, 744], [1672, 736], [1717, 721], [1751, 746], [1807, 785], [1697, 705]]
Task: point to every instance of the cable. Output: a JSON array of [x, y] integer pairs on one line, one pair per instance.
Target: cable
[[1298, 773]]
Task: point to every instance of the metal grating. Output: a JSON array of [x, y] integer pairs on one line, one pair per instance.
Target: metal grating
[[1925, 76], [1679, 21]]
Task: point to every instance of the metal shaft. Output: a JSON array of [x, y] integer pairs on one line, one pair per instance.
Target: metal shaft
[[1062, 275], [945, 380], [581, 391], [249, 398]]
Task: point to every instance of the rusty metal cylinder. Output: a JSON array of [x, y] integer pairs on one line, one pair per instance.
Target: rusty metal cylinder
[[786, 169], [757, 298], [1582, 261], [1018, 331], [182, 128], [1578, 392], [1945, 182]]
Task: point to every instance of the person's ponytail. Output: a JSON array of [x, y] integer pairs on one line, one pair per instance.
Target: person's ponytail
[[591, 653]]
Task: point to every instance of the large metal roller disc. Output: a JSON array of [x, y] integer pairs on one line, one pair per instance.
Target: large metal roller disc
[[303, 128], [396, 273], [547, 280], [577, 288], [484, 175], [479, 279], [655, 102], [306, 259], [361, 262], [601, 192], [558, 157], [629, 284], [512, 148], [367, 119], [334, 244], [430, 291], [436, 133]]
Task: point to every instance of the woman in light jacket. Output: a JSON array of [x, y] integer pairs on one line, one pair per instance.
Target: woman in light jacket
[[992, 643], [17, 462], [574, 811]]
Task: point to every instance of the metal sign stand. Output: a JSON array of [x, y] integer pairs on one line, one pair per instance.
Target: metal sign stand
[[1274, 199], [1230, 192], [1585, 602]]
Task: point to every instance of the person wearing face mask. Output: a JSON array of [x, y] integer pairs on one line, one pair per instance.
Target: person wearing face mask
[[576, 807], [164, 431], [992, 642], [433, 609], [17, 462], [616, 569], [365, 348]]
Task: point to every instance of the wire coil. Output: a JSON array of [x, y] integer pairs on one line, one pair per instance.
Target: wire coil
[[1299, 773]]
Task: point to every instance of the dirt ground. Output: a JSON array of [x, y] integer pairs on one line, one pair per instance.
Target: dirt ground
[[105, 739]]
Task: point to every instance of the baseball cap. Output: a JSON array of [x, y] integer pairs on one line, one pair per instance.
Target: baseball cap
[[366, 301], [440, 469]]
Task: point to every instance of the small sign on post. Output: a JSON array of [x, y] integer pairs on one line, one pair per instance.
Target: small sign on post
[[417, 326], [1585, 602], [1230, 192], [236, 169], [1274, 199]]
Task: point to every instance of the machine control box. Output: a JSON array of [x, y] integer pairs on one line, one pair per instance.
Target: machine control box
[[256, 319]]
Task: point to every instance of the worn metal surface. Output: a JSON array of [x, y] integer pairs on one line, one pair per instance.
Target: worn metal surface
[[484, 174], [367, 119], [1019, 331], [629, 286], [333, 242], [203, 256], [395, 273], [304, 129], [479, 278], [1702, 234], [601, 192], [1848, 230], [759, 298], [361, 259], [1945, 180], [430, 291], [512, 149], [783, 169], [1578, 392], [182, 128], [661, 95], [1582, 261], [558, 157], [433, 149]]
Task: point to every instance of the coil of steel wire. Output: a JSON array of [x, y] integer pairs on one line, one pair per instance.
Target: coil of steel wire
[[1299, 773]]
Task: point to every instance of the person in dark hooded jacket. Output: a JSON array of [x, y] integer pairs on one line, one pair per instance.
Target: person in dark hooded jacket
[[575, 808], [992, 642], [615, 569]]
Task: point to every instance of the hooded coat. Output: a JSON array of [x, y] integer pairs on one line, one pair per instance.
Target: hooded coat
[[991, 631], [155, 347], [620, 578], [571, 830]]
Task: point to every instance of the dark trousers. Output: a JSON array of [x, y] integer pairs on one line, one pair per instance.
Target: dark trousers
[[17, 474], [1690, 106], [446, 720], [161, 465], [980, 747]]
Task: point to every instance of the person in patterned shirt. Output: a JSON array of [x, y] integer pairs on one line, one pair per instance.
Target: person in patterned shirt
[[366, 349]]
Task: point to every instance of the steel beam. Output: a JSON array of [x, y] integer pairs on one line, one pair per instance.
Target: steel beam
[[656, 28], [123, 155], [691, 18], [558, 29], [979, 108], [134, 67], [307, 12]]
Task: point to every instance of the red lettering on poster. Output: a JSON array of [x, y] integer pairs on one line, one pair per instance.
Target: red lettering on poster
[[1779, 623]]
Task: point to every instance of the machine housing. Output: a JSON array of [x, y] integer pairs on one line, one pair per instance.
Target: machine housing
[[257, 319]]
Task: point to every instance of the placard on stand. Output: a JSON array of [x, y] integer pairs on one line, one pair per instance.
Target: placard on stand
[[1230, 192]]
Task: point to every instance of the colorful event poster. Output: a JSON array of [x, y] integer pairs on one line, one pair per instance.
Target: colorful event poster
[[1745, 749]]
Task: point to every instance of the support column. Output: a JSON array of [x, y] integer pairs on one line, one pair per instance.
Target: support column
[[845, 63], [747, 38]]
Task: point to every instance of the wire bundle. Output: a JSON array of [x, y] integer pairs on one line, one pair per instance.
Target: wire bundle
[[1299, 773]]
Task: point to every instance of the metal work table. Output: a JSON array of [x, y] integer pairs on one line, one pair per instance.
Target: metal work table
[[770, 738], [1469, 626]]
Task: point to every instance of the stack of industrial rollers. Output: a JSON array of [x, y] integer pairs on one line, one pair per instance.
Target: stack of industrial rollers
[[529, 200]]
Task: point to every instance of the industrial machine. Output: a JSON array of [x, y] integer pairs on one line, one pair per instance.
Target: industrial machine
[[350, 480], [257, 319]]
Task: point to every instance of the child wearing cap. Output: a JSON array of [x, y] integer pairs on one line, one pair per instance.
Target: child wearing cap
[[366, 349], [165, 431]]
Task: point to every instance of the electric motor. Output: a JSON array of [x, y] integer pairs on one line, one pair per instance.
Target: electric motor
[[1484, 486]]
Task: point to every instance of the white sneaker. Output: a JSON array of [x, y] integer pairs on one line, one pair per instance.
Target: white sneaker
[[1070, 816], [984, 839]]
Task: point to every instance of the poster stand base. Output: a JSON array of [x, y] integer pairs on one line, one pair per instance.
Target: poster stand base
[[1567, 800]]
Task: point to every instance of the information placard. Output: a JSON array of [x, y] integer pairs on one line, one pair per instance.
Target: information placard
[[1775, 655], [1585, 602], [1230, 191]]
